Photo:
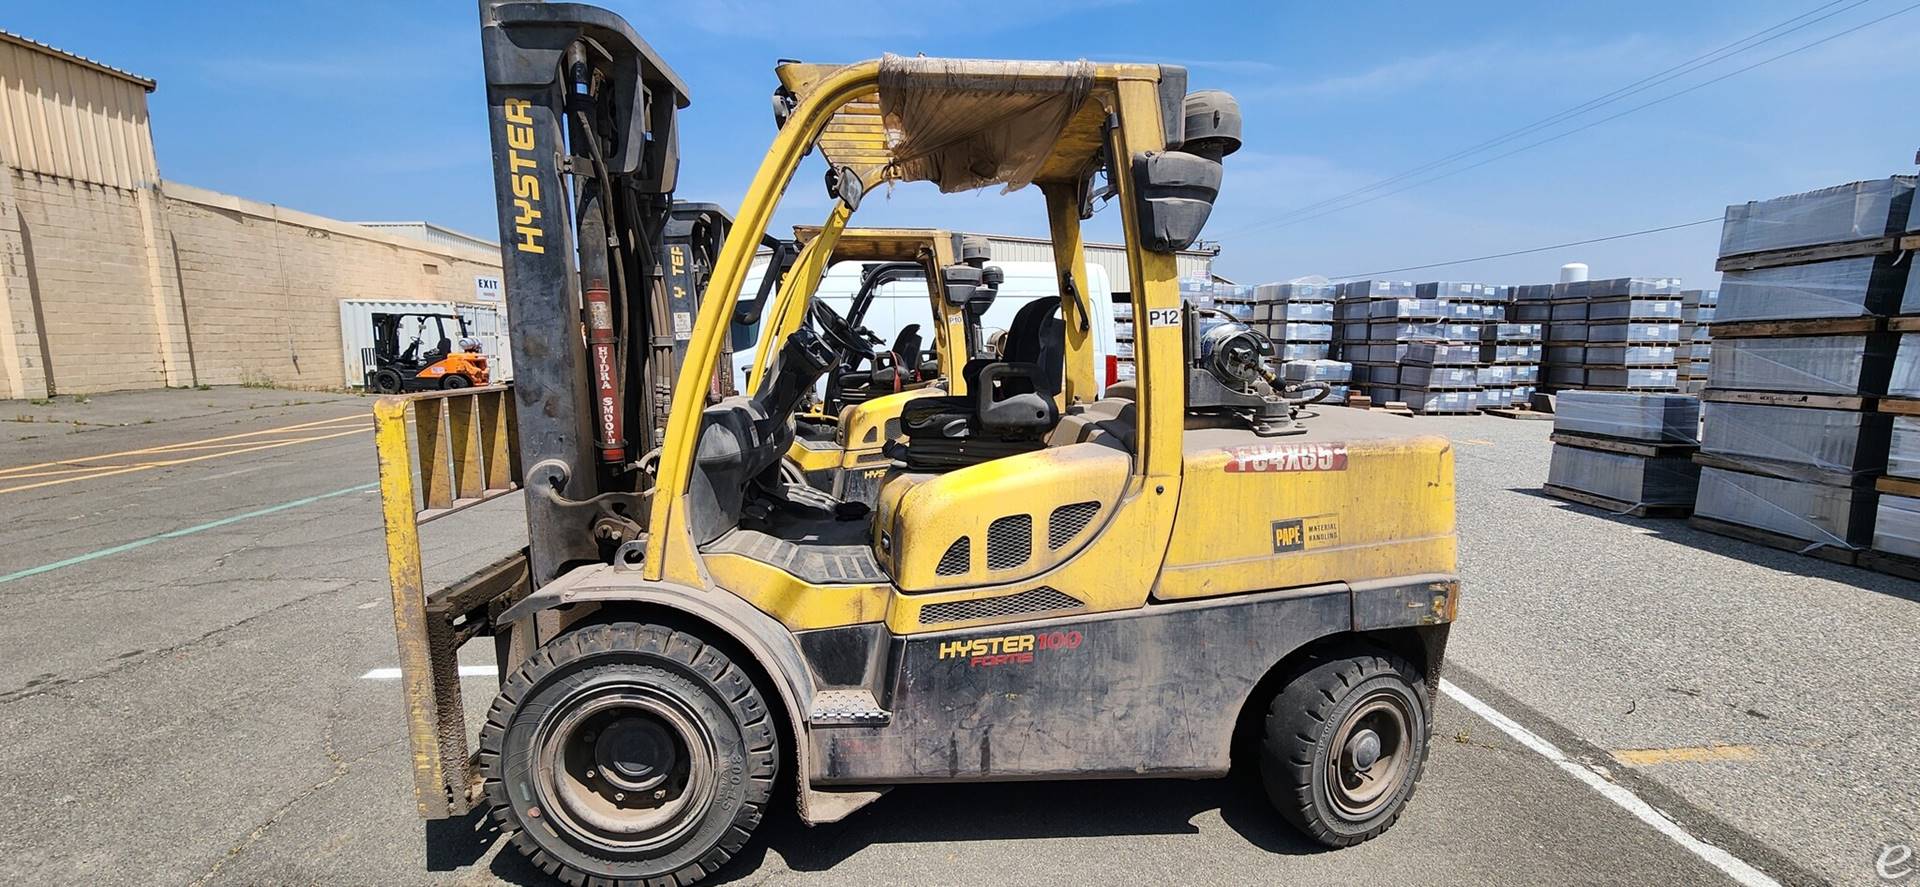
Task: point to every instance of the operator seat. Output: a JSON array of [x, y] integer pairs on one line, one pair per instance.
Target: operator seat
[[886, 372], [906, 353], [1009, 406]]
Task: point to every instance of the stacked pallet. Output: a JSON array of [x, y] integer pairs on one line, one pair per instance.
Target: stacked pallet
[[1337, 374], [1696, 338], [1298, 317], [1563, 308], [1626, 452], [1633, 334], [1510, 355], [1896, 524], [1374, 370], [1123, 365], [1234, 301], [1473, 311], [1420, 345], [1801, 352]]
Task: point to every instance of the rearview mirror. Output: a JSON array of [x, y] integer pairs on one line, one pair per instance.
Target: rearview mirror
[[845, 184], [972, 289], [1173, 193]]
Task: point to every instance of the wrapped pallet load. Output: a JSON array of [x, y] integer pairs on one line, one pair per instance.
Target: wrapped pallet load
[[1299, 318], [1699, 308], [1626, 452], [1896, 527], [1794, 447], [1633, 334]]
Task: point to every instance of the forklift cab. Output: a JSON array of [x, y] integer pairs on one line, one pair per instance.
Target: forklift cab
[[1050, 585], [839, 443], [446, 363]]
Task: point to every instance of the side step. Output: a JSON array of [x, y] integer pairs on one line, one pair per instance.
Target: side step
[[847, 708]]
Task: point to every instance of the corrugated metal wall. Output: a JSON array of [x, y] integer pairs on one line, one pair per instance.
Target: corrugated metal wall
[[1110, 256], [433, 234], [70, 119]]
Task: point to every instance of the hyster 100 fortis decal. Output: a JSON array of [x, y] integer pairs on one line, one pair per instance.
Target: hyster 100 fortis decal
[[1288, 457], [1013, 649]]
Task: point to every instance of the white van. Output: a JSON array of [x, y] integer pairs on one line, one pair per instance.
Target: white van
[[903, 302]]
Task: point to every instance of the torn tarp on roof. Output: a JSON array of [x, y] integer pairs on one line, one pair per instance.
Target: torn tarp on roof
[[966, 124]]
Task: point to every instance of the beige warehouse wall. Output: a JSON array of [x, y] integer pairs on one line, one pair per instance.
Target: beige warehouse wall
[[111, 279], [84, 262], [112, 288], [262, 284]]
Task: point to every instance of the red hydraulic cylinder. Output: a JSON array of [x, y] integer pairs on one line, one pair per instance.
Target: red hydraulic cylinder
[[602, 355]]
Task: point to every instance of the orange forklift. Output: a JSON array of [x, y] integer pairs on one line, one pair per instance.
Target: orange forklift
[[391, 370]]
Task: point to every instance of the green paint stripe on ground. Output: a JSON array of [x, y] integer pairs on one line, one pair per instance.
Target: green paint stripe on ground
[[175, 534]]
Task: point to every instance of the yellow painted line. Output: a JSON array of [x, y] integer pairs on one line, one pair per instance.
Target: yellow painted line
[[1699, 754], [4, 472], [78, 465], [1476, 441], [53, 471], [146, 466]]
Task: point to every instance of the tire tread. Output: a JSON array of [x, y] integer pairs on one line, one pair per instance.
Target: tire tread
[[730, 682], [1301, 711]]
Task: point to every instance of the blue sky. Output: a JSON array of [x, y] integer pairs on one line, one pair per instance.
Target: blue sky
[[375, 111]]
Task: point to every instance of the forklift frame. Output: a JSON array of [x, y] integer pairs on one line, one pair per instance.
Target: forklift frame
[[890, 676]]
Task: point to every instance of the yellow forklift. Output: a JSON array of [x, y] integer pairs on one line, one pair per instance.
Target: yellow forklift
[[1132, 585], [839, 444]]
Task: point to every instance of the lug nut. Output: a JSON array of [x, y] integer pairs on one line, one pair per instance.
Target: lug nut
[[619, 796], [659, 793]]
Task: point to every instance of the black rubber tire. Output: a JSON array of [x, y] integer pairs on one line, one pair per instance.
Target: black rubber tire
[[452, 381], [746, 748], [386, 381], [1296, 757]]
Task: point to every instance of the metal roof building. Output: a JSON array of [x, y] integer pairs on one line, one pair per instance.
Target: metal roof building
[[1196, 262], [434, 234], [66, 115]]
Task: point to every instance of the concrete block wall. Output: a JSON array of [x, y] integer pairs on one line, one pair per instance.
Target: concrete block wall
[[105, 288], [91, 305], [263, 284]]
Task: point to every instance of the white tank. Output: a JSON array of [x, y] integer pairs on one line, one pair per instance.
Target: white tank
[[1573, 271]]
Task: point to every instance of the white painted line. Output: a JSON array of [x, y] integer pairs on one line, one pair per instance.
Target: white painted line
[[466, 671], [1733, 866]]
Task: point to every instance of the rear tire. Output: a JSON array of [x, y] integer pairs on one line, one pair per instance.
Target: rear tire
[[628, 753], [455, 380], [1343, 746], [386, 381]]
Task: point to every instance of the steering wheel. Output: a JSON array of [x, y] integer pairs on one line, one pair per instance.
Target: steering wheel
[[840, 334]]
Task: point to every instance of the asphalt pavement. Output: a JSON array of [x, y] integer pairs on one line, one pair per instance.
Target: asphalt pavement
[[194, 588]]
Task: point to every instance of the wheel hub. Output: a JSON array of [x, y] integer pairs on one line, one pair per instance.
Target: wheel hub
[[635, 754], [1363, 750], [1373, 754], [628, 768]]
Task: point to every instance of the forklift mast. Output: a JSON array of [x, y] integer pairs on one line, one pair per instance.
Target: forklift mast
[[694, 234], [585, 156]]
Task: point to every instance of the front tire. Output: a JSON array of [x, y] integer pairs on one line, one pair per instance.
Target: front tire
[[628, 753], [1344, 745]]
